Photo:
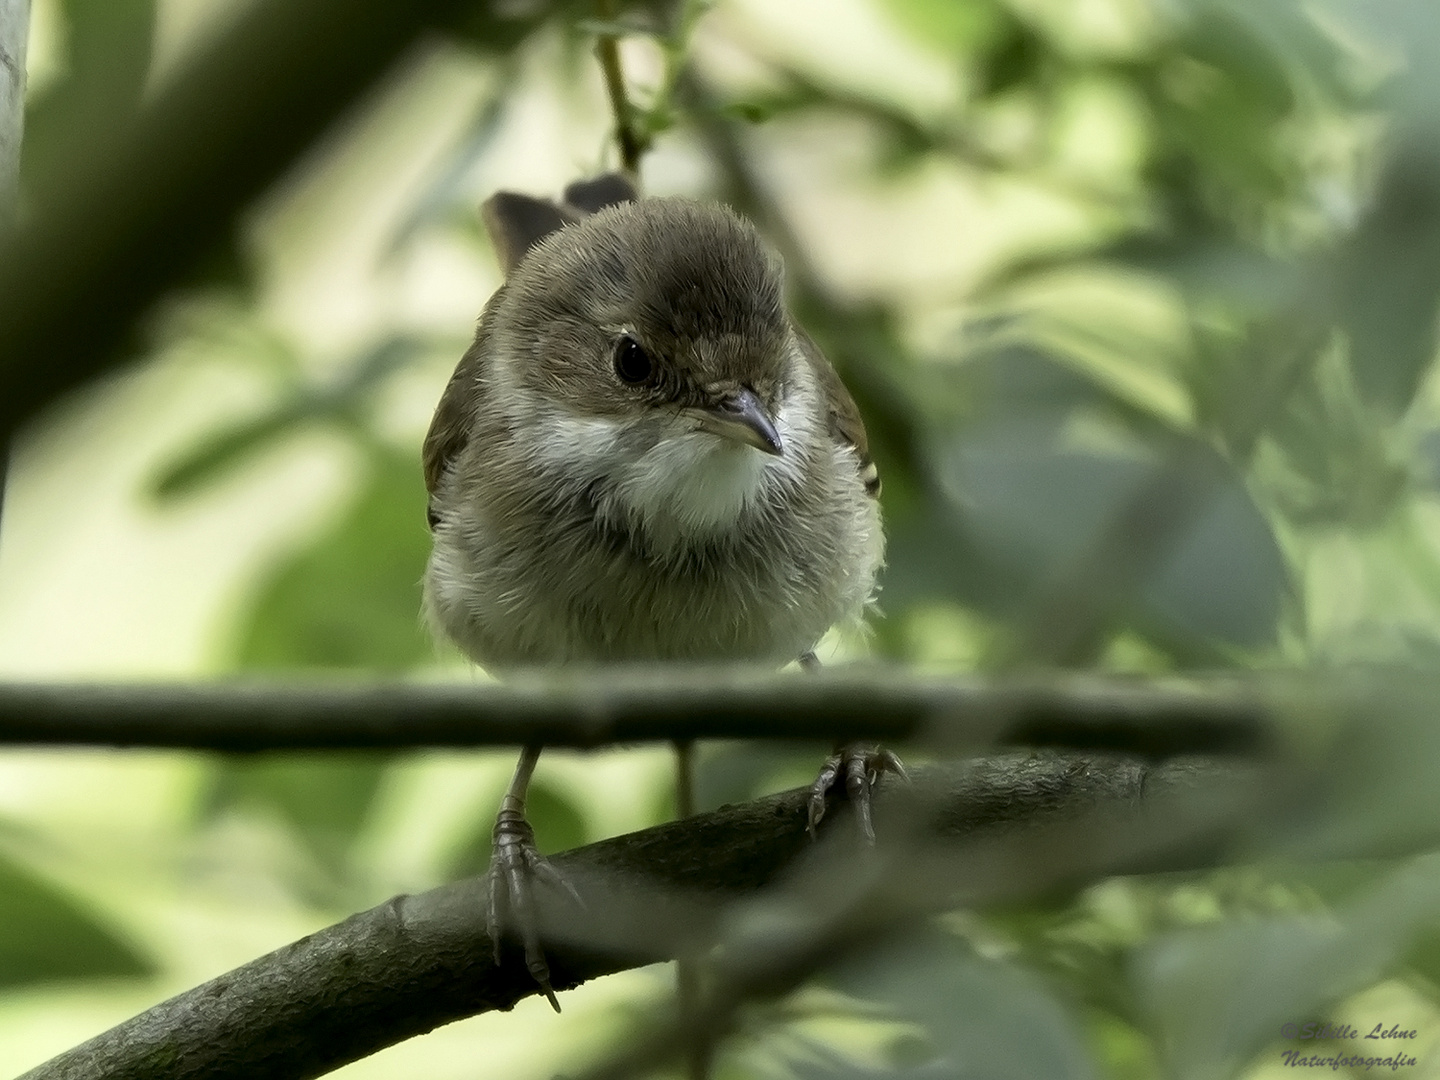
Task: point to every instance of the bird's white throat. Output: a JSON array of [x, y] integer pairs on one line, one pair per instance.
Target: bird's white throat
[[685, 485]]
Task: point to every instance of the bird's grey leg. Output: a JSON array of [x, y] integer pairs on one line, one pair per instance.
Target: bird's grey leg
[[684, 778], [515, 865], [862, 765]]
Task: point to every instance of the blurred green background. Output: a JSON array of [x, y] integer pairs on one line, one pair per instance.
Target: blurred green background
[[1139, 299]]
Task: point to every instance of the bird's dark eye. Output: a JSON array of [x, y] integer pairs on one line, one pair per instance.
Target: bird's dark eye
[[632, 363]]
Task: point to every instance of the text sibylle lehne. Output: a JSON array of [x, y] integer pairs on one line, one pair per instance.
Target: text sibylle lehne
[[1385, 1039]]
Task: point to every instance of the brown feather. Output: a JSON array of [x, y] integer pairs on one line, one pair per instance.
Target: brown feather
[[450, 425], [454, 417], [846, 424], [515, 223]]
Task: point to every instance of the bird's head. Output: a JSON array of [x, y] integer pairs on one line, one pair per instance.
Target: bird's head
[[648, 346]]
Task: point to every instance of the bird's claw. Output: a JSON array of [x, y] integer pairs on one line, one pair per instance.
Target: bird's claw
[[515, 865], [862, 765]]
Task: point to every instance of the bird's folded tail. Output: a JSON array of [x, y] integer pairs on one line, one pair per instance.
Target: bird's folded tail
[[516, 223]]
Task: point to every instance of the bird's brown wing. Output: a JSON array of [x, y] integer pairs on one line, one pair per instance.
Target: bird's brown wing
[[454, 417], [846, 426], [516, 223], [450, 426]]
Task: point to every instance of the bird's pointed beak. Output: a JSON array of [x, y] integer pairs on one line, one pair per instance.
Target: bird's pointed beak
[[741, 417]]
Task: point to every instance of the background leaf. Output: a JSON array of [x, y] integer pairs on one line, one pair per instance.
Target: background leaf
[[1219, 994], [353, 599], [48, 935], [982, 1017], [326, 800]]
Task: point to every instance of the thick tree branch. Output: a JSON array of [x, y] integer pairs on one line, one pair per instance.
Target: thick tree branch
[[1016, 826], [14, 39], [14, 34], [136, 200], [1219, 715]]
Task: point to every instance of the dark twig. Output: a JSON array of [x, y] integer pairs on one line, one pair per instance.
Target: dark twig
[[14, 36], [627, 138], [1018, 826], [684, 777], [1220, 715]]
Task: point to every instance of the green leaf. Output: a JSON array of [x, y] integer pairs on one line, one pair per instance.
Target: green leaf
[[219, 452], [1041, 479], [947, 25], [733, 772], [352, 599], [1223, 105], [558, 821], [1423, 958], [326, 799], [1226, 580], [1387, 31], [227, 447], [1207, 266], [984, 1018], [1380, 796], [1332, 457], [1387, 283], [449, 196], [109, 44], [752, 112], [49, 935], [1017, 57], [1218, 995]]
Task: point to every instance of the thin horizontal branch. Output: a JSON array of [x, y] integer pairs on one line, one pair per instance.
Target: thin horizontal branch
[[1016, 826], [1213, 716]]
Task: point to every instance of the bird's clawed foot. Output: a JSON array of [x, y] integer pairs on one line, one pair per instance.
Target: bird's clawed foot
[[861, 764], [515, 866]]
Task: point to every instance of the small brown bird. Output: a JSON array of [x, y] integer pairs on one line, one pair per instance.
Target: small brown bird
[[642, 458]]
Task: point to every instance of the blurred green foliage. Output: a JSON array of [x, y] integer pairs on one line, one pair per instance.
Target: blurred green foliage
[[325, 803], [109, 48], [1126, 451], [351, 600], [48, 936]]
